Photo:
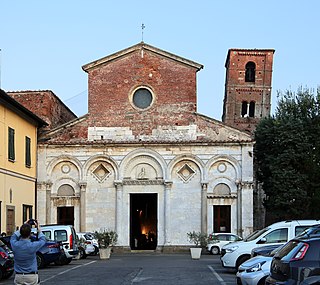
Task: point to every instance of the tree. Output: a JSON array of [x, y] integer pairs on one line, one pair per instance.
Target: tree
[[287, 156]]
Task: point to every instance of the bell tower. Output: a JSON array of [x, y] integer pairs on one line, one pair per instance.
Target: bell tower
[[247, 96]]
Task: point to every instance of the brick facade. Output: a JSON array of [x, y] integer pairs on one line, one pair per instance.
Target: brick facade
[[239, 90], [46, 105], [113, 81]]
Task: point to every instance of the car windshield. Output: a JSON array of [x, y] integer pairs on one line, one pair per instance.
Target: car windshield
[[255, 234]]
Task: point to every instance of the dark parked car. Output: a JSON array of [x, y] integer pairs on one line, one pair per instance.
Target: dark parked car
[[296, 261], [6, 261], [264, 250], [52, 251]]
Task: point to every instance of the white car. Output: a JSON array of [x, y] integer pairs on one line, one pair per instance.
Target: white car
[[255, 270], [87, 247], [218, 240], [234, 254]]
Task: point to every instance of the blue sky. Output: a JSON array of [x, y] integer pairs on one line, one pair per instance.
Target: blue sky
[[45, 43]]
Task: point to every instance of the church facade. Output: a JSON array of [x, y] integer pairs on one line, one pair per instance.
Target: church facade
[[143, 162]]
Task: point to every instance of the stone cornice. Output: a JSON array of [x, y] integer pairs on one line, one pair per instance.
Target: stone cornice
[[143, 182]]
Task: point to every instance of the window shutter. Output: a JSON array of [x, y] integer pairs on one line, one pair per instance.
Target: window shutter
[[11, 153], [28, 152]]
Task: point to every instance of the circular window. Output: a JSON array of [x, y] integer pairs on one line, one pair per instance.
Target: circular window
[[142, 98]]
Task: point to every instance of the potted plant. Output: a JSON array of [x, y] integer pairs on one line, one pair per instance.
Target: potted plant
[[106, 239], [200, 241]]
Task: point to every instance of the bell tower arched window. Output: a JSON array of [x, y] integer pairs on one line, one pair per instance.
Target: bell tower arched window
[[248, 109], [244, 109], [251, 109], [250, 72]]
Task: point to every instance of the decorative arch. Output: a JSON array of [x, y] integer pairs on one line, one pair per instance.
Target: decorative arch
[[65, 190], [221, 158], [64, 158], [65, 181], [102, 158], [189, 157], [223, 181], [153, 160], [222, 162]]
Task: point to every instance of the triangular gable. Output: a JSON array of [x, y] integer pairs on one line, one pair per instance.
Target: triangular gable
[[140, 47]]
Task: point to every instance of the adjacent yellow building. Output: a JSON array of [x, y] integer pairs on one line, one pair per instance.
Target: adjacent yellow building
[[18, 163]]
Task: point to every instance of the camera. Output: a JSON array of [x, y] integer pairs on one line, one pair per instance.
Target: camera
[[32, 222]]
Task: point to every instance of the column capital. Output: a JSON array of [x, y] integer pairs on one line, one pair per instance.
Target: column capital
[[118, 184], [83, 185], [168, 184], [48, 185], [204, 185]]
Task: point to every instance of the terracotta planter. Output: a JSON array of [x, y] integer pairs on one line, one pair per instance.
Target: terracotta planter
[[105, 253], [195, 252]]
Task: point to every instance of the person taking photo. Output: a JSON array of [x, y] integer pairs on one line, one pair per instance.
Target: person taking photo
[[25, 258]]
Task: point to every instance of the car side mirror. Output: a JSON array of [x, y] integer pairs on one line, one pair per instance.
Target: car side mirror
[[262, 240]]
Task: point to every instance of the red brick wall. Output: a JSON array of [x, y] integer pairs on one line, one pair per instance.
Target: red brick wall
[[172, 83], [46, 105], [237, 90]]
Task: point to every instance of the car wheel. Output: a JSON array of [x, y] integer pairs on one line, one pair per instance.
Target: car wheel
[[68, 260], [214, 250], [61, 260], [40, 261], [241, 260]]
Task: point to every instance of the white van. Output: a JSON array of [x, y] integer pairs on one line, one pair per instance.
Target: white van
[[65, 234], [232, 255]]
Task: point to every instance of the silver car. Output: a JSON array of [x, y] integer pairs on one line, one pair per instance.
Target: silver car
[[254, 271]]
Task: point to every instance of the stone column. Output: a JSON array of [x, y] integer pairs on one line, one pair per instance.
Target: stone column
[[119, 202], [48, 202], [204, 207], [247, 209], [167, 212], [82, 212], [239, 207]]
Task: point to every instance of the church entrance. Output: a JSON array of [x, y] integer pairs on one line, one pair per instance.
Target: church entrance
[[222, 219], [143, 221], [65, 216]]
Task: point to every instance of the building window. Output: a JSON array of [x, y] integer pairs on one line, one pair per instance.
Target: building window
[[250, 72], [142, 98], [251, 109], [248, 109], [26, 212], [244, 109], [28, 152], [11, 152]]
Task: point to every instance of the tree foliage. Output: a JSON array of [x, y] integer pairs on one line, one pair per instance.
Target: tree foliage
[[287, 153]]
